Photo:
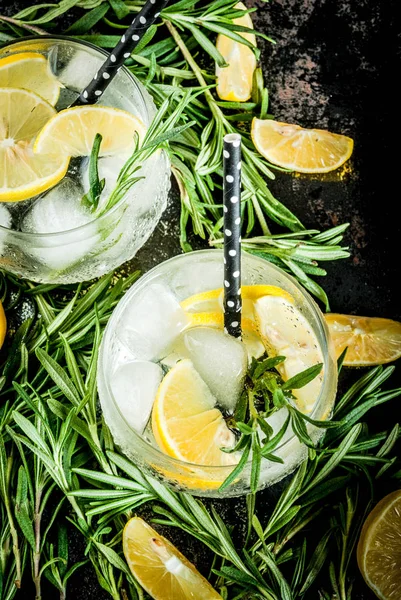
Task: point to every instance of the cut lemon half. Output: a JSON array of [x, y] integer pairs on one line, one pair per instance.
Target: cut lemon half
[[286, 332], [250, 335], [24, 174], [379, 548], [160, 567], [234, 82], [369, 340], [72, 131], [299, 149], [185, 422], [30, 71]]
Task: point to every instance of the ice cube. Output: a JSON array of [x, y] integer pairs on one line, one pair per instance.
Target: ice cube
[[277, 420], [150, 324], [134, 387], [60, 210], [220, 360], [109, 168], [5, 221], [79, 70], [5, 216]]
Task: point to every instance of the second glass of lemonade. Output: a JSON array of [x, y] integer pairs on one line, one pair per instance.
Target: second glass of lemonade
[[51, 234], [170, 379]]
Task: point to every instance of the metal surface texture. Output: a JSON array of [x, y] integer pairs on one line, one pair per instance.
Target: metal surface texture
[[331, 68]]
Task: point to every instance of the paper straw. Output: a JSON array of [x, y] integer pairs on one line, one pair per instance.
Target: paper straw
[[132, 36], [232, 234]]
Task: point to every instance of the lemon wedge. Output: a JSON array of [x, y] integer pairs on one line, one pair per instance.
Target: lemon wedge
[[299, 149], [160, 567], [30, 71], [234, 82], [379, 548], [185, 422], [24, 174], [369, 340], [72, 131]]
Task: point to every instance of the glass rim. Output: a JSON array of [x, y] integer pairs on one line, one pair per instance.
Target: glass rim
[[329, 376], [27, 235]]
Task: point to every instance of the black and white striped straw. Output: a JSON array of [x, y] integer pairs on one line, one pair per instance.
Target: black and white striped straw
[[132, 36], [232, 234]]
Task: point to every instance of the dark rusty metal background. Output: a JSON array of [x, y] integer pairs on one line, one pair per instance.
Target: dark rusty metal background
[[332, 68]]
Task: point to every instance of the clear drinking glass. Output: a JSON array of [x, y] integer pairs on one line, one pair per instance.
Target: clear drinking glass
[[98, 245], [182, 277]]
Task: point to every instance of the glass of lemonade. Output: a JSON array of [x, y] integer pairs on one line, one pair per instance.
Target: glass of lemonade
[[170, 378], [52, 235]]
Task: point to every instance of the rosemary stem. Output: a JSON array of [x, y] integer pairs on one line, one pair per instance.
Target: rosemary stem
[[32, 28], [197, 72], [36, 555], [13, 530]]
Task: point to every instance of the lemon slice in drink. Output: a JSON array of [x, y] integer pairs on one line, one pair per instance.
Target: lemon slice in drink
[[286, 332], [24, 174], [299, 149], [30, 71], [234, 82], [379, 548], [160, 567], [212, 300], [369, 340], [185, 422], [72, 131]]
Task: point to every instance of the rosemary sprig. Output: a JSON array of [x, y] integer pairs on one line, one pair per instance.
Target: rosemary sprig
[[49, 420]]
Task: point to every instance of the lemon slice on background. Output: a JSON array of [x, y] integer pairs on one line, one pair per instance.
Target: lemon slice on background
[[72, 131], [379, 548], [3, 324], [234, 82], [160, 567], [30, 71], [24, 174], [185, 422], [286, 332], [369, 340], [299, 149]]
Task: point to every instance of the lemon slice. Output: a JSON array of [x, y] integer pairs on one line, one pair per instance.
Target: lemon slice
[[212, 300], [369, 340], [185, 422], [24, 174], [3, 324], [72, 131], [379, 548], [160, 567], [234, 82], [30, 71], [286, 332], [299, 149]]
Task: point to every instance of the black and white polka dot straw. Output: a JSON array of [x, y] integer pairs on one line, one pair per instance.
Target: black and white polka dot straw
[[232, 234], [149, 13]]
